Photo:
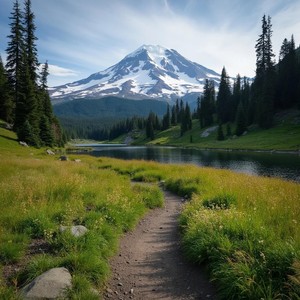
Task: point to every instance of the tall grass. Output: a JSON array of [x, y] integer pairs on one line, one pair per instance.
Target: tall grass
[[245, 228], [39, 194]]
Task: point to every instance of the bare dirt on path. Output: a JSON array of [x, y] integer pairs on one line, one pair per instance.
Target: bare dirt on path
[[150, 264]]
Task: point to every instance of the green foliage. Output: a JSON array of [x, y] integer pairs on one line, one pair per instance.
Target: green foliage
[[151, 196], [220, 136], [22, 100], [206, 104], [12, 247], [184, 187], [241, 120], [224, 98], [147, 176], [224, 201]]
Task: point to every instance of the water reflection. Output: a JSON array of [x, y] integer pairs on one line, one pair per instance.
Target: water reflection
[[254, 163]]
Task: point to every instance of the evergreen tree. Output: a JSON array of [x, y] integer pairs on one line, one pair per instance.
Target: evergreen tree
[[177, 109], [264, 83], [287, 83], [6, 102], [220, 136], [228, 129], [207, 104], [174, 116], [224, 99], [241, 122], [186, 123], [150, 125], [181, 112], [166, 119], [236, 96], [15, 60], [26, 134], [30, 42], [46, 134]]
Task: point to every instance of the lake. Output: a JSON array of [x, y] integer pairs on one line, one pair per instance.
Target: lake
[[282, 165]]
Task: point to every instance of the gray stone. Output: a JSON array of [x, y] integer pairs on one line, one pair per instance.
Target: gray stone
[[208, 131], [24, 144], [50, 152], [77, 230], [52, 284]]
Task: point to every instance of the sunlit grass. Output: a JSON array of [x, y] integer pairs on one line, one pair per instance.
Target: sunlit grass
[[245, 228], [39, 193]]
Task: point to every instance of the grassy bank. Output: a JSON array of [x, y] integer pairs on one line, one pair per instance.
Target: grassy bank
[[245, 228], [39, 193], [285, 135]]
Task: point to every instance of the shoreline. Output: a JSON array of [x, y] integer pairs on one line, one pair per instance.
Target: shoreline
[[89, 148]]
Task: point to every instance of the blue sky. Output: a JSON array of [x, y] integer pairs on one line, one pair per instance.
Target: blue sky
[[81, 37]]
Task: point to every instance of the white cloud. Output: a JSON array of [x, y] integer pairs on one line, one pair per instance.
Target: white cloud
[[61, 72], [83, 37]]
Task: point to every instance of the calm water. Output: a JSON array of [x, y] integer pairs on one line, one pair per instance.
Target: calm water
[[256, 163]]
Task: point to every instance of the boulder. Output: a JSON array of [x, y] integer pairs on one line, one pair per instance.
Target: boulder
[[52, 284], [63, 158], [76, 230], [50, 152], [24, 144]]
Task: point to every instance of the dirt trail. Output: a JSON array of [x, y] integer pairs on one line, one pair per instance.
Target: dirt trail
[[150, 263]]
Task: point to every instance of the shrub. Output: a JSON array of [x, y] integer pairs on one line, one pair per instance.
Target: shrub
[[12, 247], [151, 196], [148, 176], [224, 201]]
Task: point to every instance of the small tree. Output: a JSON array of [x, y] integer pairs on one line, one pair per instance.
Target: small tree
[[220, 136], [241, 120]]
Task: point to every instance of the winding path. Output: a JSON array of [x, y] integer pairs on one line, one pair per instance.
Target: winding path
[[150, 264]]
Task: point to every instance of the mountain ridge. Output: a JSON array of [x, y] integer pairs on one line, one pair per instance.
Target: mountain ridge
[[150, 72]]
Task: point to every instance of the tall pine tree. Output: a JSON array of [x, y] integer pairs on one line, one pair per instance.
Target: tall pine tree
[[6, 101], [224, 99], [264, 83], [207, 104], [15, 63]]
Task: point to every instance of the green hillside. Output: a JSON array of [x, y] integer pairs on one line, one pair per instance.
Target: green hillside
[[285, 135]]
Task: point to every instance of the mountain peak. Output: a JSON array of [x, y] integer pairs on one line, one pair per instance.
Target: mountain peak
[[151, 71]]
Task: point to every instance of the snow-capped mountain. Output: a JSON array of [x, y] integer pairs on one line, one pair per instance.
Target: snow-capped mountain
[[149, 72]]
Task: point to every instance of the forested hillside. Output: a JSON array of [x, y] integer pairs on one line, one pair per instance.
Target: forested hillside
[[24, 98]]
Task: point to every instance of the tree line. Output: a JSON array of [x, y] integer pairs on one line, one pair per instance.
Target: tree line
[[274, 88], [24, 98]]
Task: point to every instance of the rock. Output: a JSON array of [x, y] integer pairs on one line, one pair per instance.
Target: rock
[[52, 284], [77, 160], [245, 132], [208, 131], [24, 144], [131, 291], [8, 126], [77, 230], [63, 158], [50, 152]]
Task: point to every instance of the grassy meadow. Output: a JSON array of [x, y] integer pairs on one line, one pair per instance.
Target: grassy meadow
[[245, 229], [39, 193]]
